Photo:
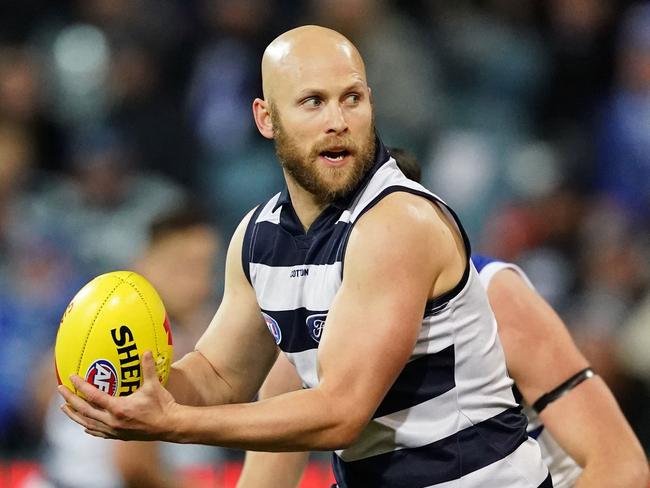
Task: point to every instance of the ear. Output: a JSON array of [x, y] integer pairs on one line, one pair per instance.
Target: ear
[[262, 118]]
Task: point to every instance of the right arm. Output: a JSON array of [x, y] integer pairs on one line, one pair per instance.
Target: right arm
[[273, 469]]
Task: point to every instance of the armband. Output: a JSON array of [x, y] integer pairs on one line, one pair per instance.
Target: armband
[[543, 401]]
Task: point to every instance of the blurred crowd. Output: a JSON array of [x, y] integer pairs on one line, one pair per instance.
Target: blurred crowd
[[119, 118]]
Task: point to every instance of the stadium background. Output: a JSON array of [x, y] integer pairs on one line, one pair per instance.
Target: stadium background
[[530, 117]]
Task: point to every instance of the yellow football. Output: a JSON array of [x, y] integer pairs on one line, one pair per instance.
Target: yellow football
[[107, 327]]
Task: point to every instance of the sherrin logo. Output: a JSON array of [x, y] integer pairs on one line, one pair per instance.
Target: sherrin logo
[[127, 352], [273, 326], [315, 325], [102, 375]]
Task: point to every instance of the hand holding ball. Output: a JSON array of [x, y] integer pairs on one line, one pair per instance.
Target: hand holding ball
[[107, 326]]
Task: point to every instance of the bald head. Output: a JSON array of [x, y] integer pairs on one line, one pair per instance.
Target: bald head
[[291, 54], [318, 110]]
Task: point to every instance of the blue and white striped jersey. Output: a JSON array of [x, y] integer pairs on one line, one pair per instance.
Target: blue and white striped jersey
[[564, 470], [450, 418]]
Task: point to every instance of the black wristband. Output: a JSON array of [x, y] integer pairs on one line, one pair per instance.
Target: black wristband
[[543, 401]]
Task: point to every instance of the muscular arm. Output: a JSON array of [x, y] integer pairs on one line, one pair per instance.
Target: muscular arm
[[541, 355], [385, 288], [267, 469], [355, 368]]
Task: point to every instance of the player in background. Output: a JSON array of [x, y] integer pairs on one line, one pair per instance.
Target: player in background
[[584, 438]]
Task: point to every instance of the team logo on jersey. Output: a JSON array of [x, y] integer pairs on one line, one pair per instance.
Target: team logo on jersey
[[273, 326], [315, 325], [103, 376]]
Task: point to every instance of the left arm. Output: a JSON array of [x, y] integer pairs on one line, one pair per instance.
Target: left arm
[[356, 368], [385, 287], [541, 355]]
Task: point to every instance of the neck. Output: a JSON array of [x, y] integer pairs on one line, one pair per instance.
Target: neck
[[307, 208]]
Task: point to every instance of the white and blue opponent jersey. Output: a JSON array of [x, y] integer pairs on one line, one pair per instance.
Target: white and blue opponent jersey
[[450, 420], [564, 470]]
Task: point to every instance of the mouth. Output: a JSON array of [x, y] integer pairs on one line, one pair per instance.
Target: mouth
[[334, 156]]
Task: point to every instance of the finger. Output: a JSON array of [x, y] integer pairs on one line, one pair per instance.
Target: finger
[[149, 368], [82, 407], [92, 394], [75, 416], [65, 392], [88, 423], [71, 398], [97, 433]]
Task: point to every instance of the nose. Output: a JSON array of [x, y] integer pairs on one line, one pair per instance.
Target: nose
[[336, 122]]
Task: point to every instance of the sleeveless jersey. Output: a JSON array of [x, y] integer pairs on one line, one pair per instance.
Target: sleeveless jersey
[[450, 419], [564, 470]]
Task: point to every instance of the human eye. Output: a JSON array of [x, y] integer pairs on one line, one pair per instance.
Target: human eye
[[312, 102], [352, 98]]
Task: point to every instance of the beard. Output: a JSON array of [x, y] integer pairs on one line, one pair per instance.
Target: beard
[[324, 183]]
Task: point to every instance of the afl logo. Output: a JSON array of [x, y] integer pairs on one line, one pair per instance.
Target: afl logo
[[103, 376], [315, 325], [273, 326]]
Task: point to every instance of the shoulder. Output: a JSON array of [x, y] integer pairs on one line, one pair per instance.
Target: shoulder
[[404, 227], [406, 215], [403, 209]]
